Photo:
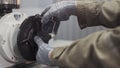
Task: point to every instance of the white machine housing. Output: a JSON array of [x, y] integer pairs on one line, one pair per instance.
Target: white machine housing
[[9, 28]]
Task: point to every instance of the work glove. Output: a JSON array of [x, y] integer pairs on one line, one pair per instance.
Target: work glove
[[58, 12], [43, 52]]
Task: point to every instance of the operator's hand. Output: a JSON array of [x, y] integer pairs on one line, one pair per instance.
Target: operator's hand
[[61, 10], [43, 52]]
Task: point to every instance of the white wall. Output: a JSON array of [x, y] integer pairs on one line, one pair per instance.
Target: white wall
[[32, 7]]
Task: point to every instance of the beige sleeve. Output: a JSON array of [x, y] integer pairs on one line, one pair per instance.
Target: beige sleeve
[[98, 50], [95, 13]]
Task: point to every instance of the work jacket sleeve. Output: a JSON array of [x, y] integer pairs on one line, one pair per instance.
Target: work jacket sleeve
[[98, 12], [98, 50]]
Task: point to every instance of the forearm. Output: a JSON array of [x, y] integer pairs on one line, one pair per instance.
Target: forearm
[[100, 49], [95, 13]]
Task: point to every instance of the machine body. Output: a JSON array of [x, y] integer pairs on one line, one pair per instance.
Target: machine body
[[9, 28]]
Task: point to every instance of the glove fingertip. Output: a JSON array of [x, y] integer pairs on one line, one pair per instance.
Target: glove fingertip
[[38, 40]]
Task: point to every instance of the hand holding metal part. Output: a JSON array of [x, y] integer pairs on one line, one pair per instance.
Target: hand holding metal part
[[52, 25], [44, 26], [56, 13]]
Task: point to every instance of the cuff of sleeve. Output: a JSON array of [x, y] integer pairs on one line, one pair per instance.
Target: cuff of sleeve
[[81, 15], [56, 53], [88, 13]]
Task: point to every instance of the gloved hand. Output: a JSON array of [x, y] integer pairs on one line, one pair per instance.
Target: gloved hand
[[44, 49], [62, 10]]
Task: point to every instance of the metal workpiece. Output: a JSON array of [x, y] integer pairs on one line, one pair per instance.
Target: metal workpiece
[[9, 28], [52, 26], [31, 27]]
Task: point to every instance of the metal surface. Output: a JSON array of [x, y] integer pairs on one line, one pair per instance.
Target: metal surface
[[9, 27]]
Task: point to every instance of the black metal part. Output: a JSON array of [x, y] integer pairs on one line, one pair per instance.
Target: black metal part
[[31, 27], [52, 26], [56, 25], [25, 39]]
